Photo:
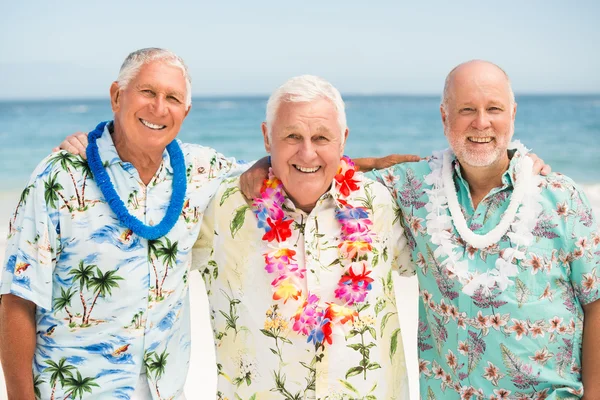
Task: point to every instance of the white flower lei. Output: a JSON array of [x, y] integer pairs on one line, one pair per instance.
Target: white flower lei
[[519, 220]]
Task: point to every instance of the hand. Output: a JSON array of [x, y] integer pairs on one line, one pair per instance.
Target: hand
[[74, 144], [252, 180], [393, 159], [539, 166]]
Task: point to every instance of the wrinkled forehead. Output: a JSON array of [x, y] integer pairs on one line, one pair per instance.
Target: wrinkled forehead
[[484, 86], [316, 115]]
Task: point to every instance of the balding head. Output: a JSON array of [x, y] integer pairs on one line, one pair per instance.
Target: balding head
[[470, 70]]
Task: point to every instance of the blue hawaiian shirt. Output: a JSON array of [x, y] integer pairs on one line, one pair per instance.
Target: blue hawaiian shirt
[[520, 343], [110, 304]]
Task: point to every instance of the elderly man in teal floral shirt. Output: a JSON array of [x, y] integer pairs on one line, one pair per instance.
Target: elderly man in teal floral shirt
[[507, 261]]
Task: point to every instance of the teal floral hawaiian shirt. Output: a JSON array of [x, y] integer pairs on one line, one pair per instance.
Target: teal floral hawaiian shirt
[[520, 343], [110, 304]]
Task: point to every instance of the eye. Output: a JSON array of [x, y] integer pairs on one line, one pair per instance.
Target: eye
[[466, 110], [147, 92], [495, 109], [293, 136], [174, 99], [322, 138]]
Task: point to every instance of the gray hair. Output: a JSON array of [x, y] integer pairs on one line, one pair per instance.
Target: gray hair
[[448, 83], [305, 88], [134, 62]]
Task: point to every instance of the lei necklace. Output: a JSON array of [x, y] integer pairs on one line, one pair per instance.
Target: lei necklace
[[517, 223], [116, 204], [314, 318]]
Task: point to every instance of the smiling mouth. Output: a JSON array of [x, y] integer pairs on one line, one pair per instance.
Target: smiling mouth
[[474, 139], [151, 125], [307, 170]]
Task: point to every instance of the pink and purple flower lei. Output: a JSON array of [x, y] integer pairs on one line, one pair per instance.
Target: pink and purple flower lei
[[314, 319]]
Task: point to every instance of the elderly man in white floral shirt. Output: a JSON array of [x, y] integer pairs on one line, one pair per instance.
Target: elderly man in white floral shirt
[[300, 280]]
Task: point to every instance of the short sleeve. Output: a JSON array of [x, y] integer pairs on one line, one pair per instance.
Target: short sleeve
[[203, 247], [33, 242], [585, 253], [227, 167], [402, 262]]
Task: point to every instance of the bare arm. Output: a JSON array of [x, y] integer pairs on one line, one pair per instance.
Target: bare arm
[[371, 163], [17, 345], [590, 367]]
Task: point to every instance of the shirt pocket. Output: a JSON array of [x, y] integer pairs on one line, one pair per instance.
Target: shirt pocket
[[538, 272]]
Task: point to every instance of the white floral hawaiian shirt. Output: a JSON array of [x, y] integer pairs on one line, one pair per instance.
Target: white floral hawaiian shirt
[[259, 355], [110, 304], [520, 343]]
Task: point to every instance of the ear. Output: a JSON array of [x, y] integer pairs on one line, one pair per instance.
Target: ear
[[115, 97], [265, 133], [444, 117], [514, 114], [344, 144], [187, 111]]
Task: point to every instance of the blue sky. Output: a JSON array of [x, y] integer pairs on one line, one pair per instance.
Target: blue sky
[[75, 48]]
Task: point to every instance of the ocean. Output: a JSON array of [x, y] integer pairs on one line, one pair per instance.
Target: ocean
[[563, 130]]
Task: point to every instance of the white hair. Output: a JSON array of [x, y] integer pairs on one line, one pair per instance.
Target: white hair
[[134, 62], [448, 83], [305, 88]]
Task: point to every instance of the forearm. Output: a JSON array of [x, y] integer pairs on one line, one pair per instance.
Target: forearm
[[17, 346], [591, 351], [365, 164]]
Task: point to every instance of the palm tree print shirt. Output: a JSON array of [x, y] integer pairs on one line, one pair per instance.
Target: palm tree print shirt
[[110, 304], [520, 343], [259, 355]]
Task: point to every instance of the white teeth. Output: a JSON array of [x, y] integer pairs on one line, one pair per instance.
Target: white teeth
[[152, 126], [307, 170], [480, 139]]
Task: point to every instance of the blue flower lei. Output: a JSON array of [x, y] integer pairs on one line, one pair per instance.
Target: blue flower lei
[[116, 204]]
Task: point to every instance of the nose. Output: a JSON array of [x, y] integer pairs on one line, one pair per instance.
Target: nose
[[159, 105], [307, 149], [481, 121]]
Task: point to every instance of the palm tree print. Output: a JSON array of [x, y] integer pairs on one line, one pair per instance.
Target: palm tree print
[[52, 192], [102, 284], [59, 373], [83, 273], [22, 200], [83, 165], [155, 366], [77, 386], [64, 301], [37, 381], [166, 252], [67, 160]]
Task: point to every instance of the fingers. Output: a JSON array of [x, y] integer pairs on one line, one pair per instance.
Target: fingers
[[546, 170], [537, 165], [67, 146]]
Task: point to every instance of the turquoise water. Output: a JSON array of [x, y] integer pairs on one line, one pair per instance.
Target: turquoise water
[[563, 130]]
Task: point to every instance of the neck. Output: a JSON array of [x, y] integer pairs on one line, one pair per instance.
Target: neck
[[483, 179], [145, 161]]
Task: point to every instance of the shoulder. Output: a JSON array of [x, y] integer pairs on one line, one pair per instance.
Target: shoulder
[[193, 151], [559, 187]]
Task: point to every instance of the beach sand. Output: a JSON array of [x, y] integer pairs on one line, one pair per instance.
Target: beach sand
[[202, 377]]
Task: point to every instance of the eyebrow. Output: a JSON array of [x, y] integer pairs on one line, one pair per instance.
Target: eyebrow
[[169, 93], [323, 130]]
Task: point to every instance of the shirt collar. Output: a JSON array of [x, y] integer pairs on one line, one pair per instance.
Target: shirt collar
[[110, 156], [288, 204], [508, 177]]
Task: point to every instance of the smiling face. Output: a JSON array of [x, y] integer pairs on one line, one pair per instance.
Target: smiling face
[[306, 145], [479, 115], [149, 111]]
